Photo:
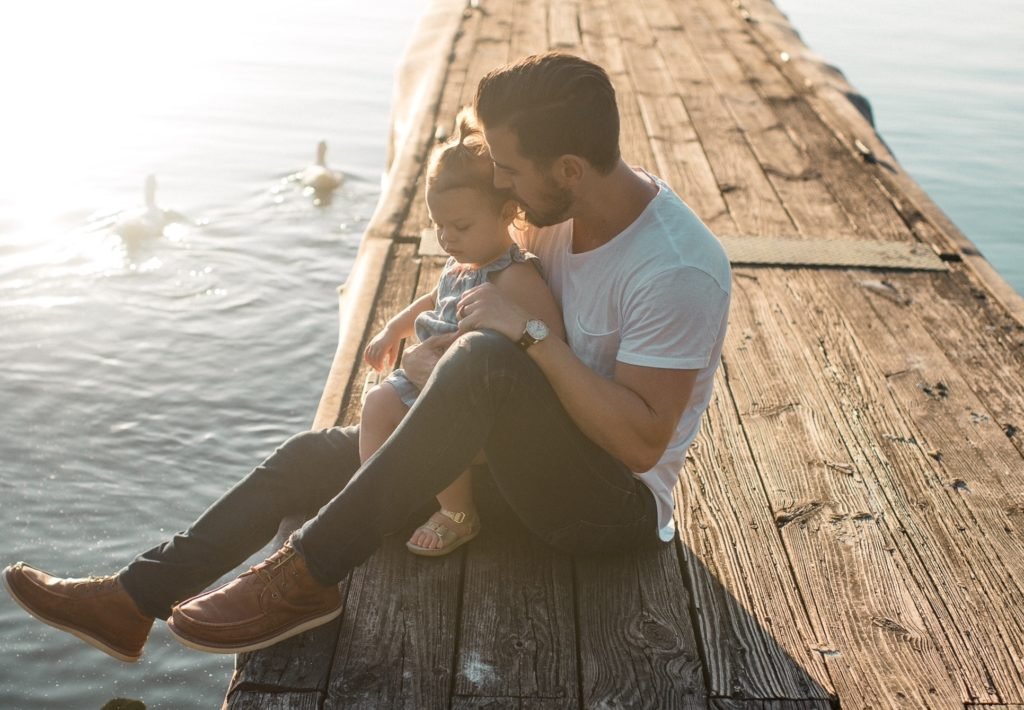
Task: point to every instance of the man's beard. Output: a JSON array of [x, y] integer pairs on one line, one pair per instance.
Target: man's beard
[[557, 201]]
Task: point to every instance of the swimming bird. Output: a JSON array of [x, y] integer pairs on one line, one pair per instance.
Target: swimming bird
[[319, 176], [148, 221]]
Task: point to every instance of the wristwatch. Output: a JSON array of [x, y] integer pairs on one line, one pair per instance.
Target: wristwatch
[[536, 330]]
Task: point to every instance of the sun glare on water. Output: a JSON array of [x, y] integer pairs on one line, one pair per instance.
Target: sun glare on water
[[91, 92]]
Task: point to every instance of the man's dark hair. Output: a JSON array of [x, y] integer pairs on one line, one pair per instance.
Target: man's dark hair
[[555, 104]]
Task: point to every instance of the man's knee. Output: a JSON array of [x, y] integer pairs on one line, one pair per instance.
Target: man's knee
[[313, 451], [485, 346]]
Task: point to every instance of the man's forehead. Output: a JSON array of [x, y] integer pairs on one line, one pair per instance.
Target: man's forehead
[[502, 144]]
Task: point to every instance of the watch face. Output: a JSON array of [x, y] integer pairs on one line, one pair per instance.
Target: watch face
[[537, 329]]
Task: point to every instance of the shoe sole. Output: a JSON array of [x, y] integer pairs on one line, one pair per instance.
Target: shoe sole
[[78, 633], [255, 645]]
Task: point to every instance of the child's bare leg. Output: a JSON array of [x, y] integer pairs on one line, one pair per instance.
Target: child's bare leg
[[383, 410]]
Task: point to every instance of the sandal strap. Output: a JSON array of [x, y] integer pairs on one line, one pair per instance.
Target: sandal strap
[[458, 517], [445, 533]]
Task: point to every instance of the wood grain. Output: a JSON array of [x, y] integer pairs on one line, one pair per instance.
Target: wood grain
[[637, 643], [850, 516], [264, 700]]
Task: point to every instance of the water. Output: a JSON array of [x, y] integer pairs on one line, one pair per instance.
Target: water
[[140, 380], [946, 81]]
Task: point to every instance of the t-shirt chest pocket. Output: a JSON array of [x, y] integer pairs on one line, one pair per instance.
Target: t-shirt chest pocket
[[595, 340]]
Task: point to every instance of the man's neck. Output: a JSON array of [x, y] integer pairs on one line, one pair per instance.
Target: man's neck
[[610, 204]]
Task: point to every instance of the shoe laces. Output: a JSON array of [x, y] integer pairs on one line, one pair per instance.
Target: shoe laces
[[270, 568], [100, 583]]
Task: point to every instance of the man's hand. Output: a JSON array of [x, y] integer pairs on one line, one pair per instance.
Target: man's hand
[[484, 306], [418, 362]]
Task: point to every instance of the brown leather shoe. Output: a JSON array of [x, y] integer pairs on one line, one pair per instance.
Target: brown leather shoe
[[274, 600], [97, 610]]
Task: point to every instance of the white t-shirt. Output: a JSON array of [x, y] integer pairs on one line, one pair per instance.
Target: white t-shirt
[[656, 295]]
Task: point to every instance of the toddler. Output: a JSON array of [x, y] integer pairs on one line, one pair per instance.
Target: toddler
[[472, 220]]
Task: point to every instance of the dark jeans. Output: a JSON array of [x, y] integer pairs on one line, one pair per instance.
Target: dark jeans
[[485, 393]]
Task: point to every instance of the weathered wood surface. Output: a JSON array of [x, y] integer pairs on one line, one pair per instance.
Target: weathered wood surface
[[850, 518], [271, 700]]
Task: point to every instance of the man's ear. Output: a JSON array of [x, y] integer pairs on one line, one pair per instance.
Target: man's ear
[[569, 170]]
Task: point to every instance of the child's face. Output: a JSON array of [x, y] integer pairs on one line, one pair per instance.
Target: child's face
[[468, 227]]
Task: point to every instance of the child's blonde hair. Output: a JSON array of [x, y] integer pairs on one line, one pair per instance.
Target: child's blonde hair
[[463, 161]]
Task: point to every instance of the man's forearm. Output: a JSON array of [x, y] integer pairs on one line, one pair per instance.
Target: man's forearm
[[613, 416]]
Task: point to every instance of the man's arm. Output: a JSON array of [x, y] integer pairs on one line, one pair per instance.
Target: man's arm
[[419, 361], [632, 416]]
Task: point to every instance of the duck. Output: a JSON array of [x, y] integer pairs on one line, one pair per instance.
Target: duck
[[318, 176], [148, 221]]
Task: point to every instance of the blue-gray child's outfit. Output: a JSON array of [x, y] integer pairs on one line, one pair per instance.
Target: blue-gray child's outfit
[[455, 280]]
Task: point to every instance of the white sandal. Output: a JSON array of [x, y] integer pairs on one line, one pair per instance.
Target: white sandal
[[449, 538]]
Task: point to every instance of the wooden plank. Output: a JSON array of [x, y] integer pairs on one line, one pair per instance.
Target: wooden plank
[[957, 549], [756, 637], [473, 703], [430, 272], [517, 635], [264, 700], [871, 211], [739, 176], [493, 43], [827, 92], [952, 475], [875, 631], [394, 293], [602, 44], [397, 640], [637, 645], [563, 25], [803, 704], [681, 161], [981, 339], [529, 29], [656, 132], [977, 680], [791, 173], [301, 663]]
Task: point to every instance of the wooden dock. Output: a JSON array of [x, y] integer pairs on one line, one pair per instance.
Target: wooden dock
[[852, 516]]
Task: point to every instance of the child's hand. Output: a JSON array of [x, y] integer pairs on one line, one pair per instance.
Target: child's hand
[[380, 354]]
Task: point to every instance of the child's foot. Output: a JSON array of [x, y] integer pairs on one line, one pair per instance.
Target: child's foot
[[443, 533]]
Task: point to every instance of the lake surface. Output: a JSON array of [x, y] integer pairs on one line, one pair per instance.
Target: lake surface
[[142, 378], [946, 82]]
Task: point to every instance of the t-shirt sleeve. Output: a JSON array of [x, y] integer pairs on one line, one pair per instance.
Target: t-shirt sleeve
[[673, 320]]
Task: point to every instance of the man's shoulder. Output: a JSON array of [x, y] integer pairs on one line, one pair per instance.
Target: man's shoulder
[[675, 239]]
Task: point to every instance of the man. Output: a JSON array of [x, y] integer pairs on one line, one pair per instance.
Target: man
[[584, 440]]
